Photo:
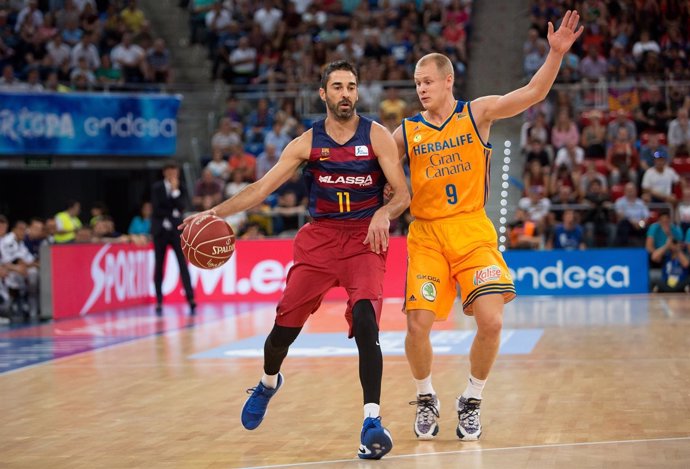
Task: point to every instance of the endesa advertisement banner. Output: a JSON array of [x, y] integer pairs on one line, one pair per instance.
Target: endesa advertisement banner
[[93, 277], [591, 272], [88, 124]]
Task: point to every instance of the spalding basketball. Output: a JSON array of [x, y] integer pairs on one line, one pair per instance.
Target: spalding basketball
[[208, 242]]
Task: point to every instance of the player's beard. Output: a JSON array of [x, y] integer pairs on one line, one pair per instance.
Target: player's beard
[[340, 113]]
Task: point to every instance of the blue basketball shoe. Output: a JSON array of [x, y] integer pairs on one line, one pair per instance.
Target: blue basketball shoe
[[254, 408], [376, 440]]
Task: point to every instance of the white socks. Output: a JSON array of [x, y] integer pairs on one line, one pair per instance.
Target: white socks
[[474, 388], [424, 386], [371, 410], [270, 381]]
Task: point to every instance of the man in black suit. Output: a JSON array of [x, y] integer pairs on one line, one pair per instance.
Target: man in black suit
[[168, 199]]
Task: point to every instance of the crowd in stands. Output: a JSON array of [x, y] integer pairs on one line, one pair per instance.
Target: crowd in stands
[[287, 43], [612, 171], [78, 45]]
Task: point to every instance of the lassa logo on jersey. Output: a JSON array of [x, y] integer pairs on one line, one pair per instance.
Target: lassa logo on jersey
[[357, 180]]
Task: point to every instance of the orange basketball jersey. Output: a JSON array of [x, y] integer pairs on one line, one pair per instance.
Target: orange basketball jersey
[[449, 165]]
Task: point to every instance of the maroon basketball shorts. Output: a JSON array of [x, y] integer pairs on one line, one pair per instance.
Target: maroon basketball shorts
[[330, 254]]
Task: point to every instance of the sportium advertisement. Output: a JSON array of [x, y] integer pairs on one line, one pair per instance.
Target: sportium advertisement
[[92, 278]]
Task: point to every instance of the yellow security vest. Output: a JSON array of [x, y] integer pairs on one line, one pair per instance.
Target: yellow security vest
[[68, 223]]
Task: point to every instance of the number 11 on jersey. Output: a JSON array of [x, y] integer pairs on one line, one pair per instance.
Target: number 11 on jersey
[[344, 199]]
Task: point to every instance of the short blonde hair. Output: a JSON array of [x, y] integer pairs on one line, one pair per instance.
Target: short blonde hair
[[443, 63]]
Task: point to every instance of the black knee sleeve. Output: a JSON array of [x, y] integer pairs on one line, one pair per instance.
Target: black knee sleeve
[[366, 333], [276, 347]]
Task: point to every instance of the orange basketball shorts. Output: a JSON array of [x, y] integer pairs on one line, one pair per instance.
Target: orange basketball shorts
[[457, 251]]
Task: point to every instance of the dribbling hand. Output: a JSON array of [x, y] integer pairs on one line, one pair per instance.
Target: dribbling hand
[[191, 218]]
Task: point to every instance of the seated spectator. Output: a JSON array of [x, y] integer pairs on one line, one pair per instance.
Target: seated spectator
[[261, 116], [523, 233], [207, 189], [622, 159], [631, 216], [621, 120], [537, 130], [235, 184], [133, 18], [644, 45], [589, 175], [675, 268], [567, 235], [141, 224], [679, 134], [564, 196], [266, 160], [597, 219], [277, 137], [243, 161], [253, 231], [535, 59], [130, 58], [647, 151], [35, 237], [158, 62], [22, 277], [658, 181], [82, 71], [593, 137], [225, 137], [537, 207], [594, 66], [232, 112], [58, 50], [288, 212], [242, 63], [86, 50], [652, 113], [103, 231], [536, 151], [563, 176], [218, 166], [536, 176], [660, 237], [564, 131], [83, 235], [571, 156], [392, 104]]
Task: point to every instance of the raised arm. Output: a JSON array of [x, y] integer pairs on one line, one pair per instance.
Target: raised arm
[[487, 109], [294, 154], [387, 151]]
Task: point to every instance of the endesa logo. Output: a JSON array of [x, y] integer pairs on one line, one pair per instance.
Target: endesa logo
[[555, 277]]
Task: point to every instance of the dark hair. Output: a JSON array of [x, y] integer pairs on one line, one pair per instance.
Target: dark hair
[[36, 219], [337, 65], [3, 219], [71, 203], [170, 164]]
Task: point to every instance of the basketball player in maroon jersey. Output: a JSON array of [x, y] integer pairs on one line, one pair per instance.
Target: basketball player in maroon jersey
[[348, 159]]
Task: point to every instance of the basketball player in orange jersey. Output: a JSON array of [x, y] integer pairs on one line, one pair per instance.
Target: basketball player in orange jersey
[[452, 240], [348, 159]]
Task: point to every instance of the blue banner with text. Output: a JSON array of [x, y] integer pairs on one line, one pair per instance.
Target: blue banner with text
[[88, 124], [590, 272]]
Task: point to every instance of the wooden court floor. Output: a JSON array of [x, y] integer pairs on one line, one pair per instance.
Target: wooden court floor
[[595, 382]]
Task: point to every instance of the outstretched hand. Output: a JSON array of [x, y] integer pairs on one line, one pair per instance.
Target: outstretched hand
[[561, 40]]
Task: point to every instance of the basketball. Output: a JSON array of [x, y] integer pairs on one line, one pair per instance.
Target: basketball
[[208, 242]]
